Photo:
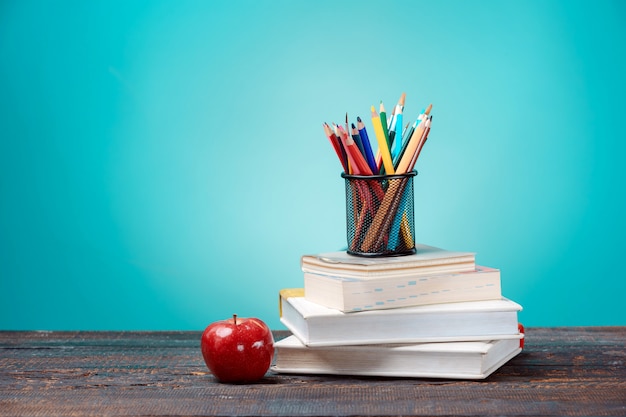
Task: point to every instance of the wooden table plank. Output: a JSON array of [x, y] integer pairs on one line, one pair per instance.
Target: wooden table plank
[[562, 371]]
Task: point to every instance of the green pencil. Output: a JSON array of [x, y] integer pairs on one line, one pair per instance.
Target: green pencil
[[383, 121]]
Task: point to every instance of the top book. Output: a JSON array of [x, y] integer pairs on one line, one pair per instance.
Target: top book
[[427, 260]]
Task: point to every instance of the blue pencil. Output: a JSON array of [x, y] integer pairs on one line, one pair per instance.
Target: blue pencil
[[398, 140], [369, 155], [357, 139]]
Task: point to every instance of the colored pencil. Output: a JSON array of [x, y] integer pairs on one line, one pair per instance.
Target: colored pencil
[[421, 142], [393, 122], [406, 137], [381, 223], [382, 143], [344, 153], [383, 122], [396, 143], [358, 163], [394, 233], [334, 141], [414, 140], [347, 125], [369, 155], [405, 231], [357, 138]]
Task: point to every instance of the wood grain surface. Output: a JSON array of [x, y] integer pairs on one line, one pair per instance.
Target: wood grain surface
[[561, 371]]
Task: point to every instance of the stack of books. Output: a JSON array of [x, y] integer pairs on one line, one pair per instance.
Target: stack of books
[[432, 314]]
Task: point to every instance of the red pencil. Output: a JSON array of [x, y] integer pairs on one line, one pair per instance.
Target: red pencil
[[334, 141], [357, 161]]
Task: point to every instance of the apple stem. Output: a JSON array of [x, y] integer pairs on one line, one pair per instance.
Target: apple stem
[[235, 319]]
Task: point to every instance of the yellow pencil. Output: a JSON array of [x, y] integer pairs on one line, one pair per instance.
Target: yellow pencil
[[405, 232], [382, 143]]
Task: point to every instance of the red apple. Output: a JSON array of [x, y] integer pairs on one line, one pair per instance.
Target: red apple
[[238, 349]]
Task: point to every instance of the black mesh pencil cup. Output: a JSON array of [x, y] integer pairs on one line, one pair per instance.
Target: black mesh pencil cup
[[379, 214]]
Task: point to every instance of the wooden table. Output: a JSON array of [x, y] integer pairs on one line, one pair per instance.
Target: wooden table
[[562, 371]]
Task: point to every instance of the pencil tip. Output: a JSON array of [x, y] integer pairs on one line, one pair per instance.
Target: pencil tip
[[402, 99], [353, 126], [358, 119], [430, 106]]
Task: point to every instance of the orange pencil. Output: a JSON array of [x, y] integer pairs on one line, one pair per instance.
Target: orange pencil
[[381, 223], [421, 143], [405, 162]]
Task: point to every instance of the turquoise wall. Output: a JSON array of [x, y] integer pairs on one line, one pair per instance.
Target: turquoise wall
[[163, 165]]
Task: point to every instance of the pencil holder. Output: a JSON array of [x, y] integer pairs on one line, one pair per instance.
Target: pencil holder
[[379, 214]]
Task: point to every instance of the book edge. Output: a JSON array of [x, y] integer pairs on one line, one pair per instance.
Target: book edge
[[407, 374]]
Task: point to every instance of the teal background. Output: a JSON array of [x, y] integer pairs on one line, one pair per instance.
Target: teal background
[[163, 164]]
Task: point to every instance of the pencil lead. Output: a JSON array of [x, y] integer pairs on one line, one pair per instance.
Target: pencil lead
[[430, 106], [358, 119]]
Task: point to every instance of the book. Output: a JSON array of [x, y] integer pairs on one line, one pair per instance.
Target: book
[[427, 259], [375, 293], [316, 325], [459, 360]]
